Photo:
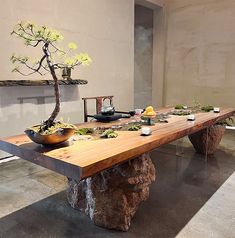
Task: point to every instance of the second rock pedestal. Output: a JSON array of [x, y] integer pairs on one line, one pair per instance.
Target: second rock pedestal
[[207, 140]]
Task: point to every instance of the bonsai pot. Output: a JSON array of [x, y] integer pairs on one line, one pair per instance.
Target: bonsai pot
[[58, 136]]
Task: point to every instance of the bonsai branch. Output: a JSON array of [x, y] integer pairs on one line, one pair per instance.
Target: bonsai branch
[[20, 72], [23, 61], [57, 49]]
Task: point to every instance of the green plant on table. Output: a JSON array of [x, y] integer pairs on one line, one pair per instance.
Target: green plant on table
[[181, 112], [109, 133], [179, 106], [134, 127], [85, 131], [53, 58], [207, 108]]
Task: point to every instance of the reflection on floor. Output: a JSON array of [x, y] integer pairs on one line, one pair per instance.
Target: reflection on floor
[[33, 199]]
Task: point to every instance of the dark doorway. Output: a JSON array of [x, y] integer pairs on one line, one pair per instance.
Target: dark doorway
[[143, 56]]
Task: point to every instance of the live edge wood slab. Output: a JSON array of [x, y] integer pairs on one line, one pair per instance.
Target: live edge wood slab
[[10, 83], [82, 159]]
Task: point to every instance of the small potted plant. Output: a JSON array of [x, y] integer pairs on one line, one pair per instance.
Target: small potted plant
[[53, 58]]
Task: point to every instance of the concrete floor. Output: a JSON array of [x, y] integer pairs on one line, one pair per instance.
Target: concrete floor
[[217, 217], [33, 199]]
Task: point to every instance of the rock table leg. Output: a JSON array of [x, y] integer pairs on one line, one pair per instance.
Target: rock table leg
[[206, 141], [112, 197]]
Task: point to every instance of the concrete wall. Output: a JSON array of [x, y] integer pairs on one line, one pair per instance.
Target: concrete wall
[[103, 28], [143, 56], [200, 52]]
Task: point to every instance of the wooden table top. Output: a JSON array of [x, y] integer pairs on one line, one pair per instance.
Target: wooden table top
[[81, 159]]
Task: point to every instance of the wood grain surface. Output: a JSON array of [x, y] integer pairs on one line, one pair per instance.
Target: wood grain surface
[[80, 159], [10, 83]]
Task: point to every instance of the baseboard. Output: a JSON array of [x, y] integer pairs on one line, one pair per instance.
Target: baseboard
[[8, 158], [230, 127]]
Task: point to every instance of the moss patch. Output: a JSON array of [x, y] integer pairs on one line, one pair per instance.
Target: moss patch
[[56, 126]]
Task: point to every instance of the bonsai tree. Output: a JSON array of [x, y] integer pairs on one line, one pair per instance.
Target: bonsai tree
[[52, 59]]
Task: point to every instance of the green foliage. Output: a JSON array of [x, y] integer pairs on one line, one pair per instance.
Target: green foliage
[[134, 127], [181, 112], [72, 46], [40, 35], [207, 108], [85, 131], [179, 106], [82, 58], [31, 33], [55, 127], [110, 133]]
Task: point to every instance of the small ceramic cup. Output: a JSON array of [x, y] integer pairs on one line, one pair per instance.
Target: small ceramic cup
[[138, 111], [145, 131], [191, 117]]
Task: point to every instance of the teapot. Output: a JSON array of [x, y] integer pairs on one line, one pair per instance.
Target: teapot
[[108, 110]]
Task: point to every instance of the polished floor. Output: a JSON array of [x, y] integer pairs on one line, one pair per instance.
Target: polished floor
[[33, 199], [217, 217]]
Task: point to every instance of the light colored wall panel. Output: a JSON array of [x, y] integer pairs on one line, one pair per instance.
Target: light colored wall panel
[[200, 58]]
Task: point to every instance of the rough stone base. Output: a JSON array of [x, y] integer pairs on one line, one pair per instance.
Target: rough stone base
[[112, 197], [200, 143]]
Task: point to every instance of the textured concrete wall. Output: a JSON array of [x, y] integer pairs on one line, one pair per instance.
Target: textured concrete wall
[[200, 53], [143, 57], [103, 28]]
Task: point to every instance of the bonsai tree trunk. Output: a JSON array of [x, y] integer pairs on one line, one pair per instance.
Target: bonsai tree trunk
[[50, 121]]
